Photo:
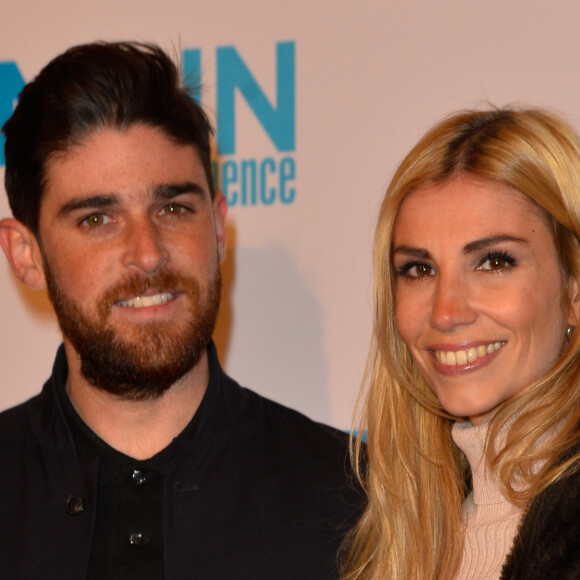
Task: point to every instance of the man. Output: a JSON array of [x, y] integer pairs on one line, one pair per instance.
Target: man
[[141, 458]]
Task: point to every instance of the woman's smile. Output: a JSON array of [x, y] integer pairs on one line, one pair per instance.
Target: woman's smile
[[461, 357]]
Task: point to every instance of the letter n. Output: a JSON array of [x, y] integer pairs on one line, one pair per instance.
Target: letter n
[[278, 122]]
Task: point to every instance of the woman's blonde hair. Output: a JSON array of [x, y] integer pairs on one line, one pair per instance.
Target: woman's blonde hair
[[413, 473]]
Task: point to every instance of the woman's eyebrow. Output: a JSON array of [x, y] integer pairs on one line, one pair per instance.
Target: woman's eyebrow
[[483, 243], [418, 253], [470, 248]]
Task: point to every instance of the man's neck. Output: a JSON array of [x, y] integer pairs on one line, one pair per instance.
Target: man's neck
[[142, 428]]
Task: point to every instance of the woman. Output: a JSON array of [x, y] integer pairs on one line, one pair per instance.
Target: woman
[[472, 406]]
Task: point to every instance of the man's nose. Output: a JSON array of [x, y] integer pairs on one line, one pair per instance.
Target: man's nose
[[144, 247]]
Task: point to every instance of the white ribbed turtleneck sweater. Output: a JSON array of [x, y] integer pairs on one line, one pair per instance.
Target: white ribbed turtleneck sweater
[[490, 520]]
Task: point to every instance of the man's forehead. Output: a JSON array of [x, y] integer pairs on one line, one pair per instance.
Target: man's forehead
[[138, 160]]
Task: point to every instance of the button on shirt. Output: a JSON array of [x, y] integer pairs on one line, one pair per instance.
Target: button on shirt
[[128, 533]]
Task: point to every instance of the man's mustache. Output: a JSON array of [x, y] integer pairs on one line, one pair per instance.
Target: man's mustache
[[137, 284]]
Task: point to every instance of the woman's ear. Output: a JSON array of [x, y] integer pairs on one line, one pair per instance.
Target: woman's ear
[[23, 252], [574, 301]]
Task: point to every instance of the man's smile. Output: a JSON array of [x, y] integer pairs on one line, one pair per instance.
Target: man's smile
[[146, 301]]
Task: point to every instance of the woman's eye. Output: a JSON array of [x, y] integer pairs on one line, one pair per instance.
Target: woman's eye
[[415, 270], [497, 262], [96, 220]]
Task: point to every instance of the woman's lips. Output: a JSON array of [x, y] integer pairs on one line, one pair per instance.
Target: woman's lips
[[454, 362], [464, 356]]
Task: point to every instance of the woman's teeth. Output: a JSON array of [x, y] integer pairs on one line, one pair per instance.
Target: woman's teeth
[[145, 301], [462, 357]]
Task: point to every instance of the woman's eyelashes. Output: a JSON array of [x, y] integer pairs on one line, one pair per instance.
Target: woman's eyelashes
[[494, 261], [415, 270], [497, 261]]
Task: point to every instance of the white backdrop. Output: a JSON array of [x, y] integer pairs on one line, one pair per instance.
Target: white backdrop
[[370, 78]]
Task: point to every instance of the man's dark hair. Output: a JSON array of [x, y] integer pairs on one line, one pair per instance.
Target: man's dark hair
[[88, 87]]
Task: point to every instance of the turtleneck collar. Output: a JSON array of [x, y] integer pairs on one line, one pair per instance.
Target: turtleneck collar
[[472, 440]]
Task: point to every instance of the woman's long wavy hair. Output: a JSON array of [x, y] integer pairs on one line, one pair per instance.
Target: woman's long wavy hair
[[412, 471]]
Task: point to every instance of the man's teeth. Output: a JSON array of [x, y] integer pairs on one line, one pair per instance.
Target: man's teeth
[[462, 357], [145, 301]]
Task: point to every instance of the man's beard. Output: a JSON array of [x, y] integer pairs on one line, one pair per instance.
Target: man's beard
[[158, 354]]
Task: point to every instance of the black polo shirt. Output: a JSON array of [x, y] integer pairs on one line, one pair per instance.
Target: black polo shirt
[[127, 539], [259, 492]]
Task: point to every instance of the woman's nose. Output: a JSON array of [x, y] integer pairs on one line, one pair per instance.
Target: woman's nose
[[451, 303]]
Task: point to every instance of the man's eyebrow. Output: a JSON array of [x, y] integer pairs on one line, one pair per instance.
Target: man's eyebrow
[[104, 201], [92, 202], [171, 190], [478, 245]]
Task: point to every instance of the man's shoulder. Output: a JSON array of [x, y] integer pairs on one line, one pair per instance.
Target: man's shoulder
[[290, 451], [19, 415], [19, 425], [287, 434], [280, 416], [244, 404], [277, 417]]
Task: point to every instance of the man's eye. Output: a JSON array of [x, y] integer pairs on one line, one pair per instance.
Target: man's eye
[[96, 219], [172, 209]]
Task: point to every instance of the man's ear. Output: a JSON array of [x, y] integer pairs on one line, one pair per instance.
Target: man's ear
[[23, 252], [220, 209]]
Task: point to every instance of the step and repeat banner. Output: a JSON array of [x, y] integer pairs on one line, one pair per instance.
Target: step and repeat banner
[[315, 103]]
